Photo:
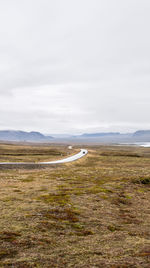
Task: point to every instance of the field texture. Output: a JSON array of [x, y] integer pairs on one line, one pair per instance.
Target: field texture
[[94, 212]]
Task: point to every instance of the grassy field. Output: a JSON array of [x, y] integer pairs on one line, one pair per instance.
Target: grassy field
[[31, 153], [94, 212]]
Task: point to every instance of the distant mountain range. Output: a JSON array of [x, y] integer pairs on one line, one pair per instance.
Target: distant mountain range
[[101, 134], [107, 137], [14, 135], [117, 137], [101, 137], [143, 133]]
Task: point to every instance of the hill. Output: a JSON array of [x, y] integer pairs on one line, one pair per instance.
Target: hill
[[101, 134], [142, 133], [14, 135]]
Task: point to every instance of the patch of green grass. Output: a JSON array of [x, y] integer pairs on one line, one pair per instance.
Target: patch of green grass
[[56, 198], [97, 189]]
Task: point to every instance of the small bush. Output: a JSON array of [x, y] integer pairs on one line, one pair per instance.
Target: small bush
[[142, 181]]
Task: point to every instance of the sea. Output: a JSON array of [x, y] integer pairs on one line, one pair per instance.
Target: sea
[[141, 144]]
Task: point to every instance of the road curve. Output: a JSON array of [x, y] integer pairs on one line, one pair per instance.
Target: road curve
[[72, 158]]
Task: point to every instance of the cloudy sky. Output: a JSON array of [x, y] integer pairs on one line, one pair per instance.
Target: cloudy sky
[[73, 66]]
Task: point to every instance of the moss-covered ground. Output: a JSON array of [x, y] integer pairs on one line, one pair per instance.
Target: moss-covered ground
[[94, 212]]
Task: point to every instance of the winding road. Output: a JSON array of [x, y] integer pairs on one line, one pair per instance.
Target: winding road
[[72, 158]]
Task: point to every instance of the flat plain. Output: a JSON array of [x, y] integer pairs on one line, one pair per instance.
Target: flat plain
[[94, 212]]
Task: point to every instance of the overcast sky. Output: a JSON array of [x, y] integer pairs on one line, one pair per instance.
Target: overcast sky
[[73, 66]]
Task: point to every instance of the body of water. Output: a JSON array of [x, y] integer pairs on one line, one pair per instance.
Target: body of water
[[142, 144]]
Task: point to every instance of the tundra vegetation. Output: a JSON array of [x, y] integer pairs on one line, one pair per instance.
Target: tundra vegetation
[[94, 212]]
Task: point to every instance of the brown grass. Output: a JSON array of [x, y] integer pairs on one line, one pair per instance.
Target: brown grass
[[90, 213]]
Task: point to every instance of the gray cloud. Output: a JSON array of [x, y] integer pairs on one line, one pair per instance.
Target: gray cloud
[[74, 66]]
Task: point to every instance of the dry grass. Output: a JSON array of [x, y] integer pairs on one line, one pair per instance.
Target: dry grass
[[31, 153], [94, 212]]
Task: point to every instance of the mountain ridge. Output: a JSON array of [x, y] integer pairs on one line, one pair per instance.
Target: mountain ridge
[[19, 135], [109, 137]]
